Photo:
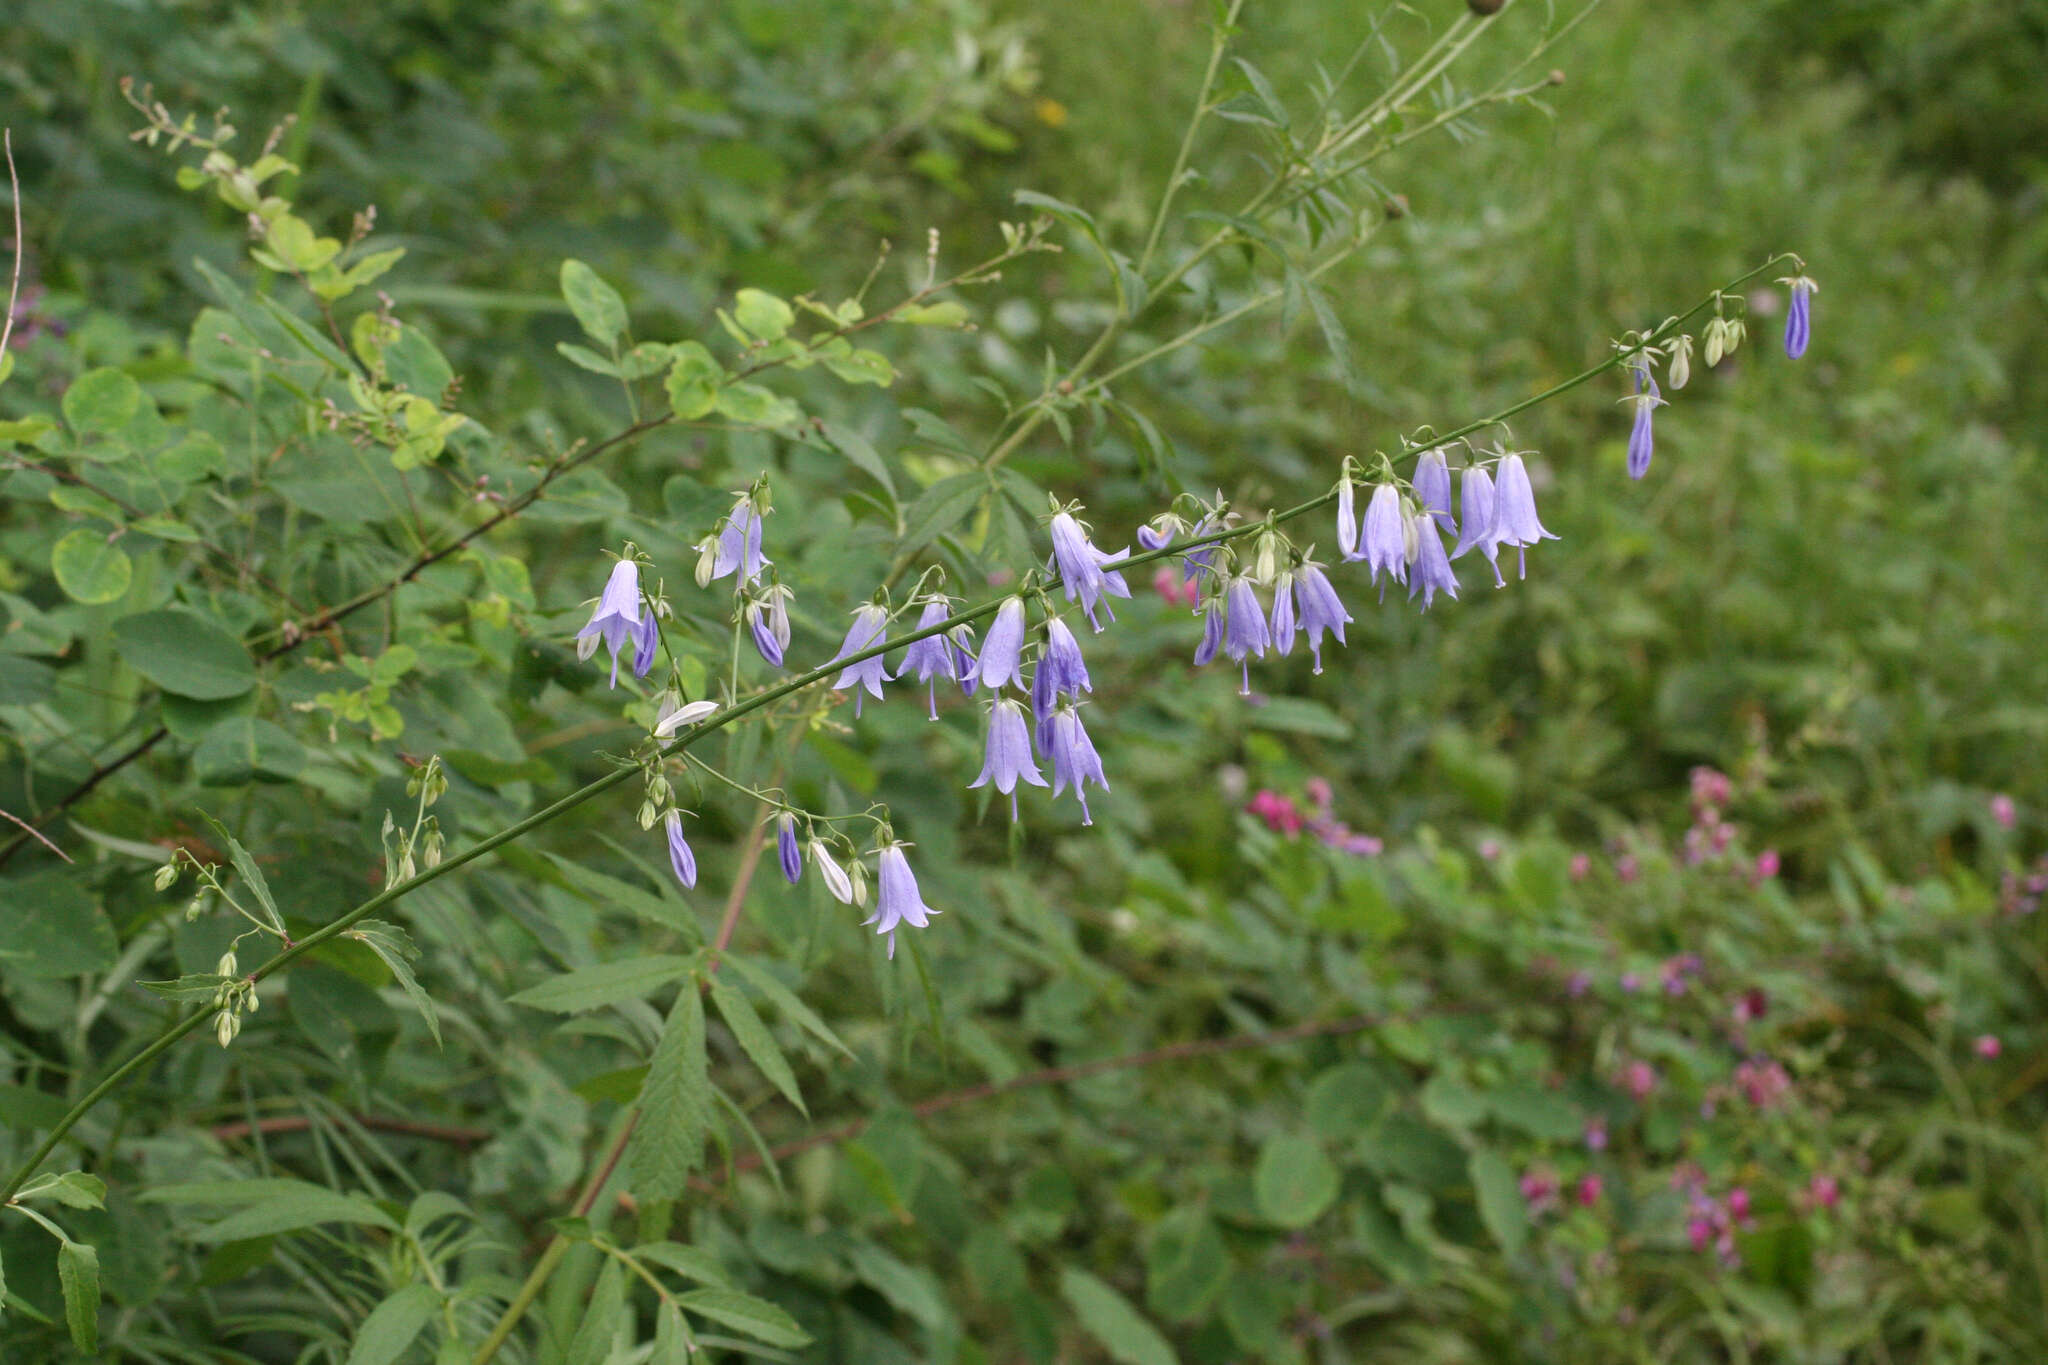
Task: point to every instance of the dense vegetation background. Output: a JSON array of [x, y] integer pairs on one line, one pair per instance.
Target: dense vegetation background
[[1681, 1000]]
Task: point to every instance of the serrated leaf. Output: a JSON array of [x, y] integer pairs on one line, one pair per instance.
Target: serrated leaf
[[245, 866], [72, 1189], [393, 1324], [78, 1272], [598, 308], [1109, 1317], [186, 653], [1295, 1183], [1334, 336], [675, 1104], [939, 509], [394, 947], [758, 1318], [756, 1041], [786, 1002], [693, 1263], [672, 1345], [606, 891], [592, 1344], [606, 983], [861, 451]]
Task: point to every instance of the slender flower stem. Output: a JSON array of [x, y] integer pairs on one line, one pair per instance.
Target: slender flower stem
[[739, 710], [1218, 45]]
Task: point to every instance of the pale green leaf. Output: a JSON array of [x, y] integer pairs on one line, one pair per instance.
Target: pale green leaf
[[675, 1104], [597, 306], [606, 983], [758, 1318], [755, 1039], [393, 1324], [1109, 1317], [78, 1273]]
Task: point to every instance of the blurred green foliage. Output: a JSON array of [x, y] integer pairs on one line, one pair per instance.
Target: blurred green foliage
[[1828, 587]]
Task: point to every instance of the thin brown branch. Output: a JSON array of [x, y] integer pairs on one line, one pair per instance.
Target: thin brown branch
[[35, 833], [20, 243], [299, 1123]]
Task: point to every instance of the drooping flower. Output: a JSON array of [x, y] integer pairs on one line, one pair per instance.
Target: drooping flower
[[869, 621], [1044, 696], [679, 855], [674, 715], [1384, 539], [767, 617], [1200, 560], [1063, 657], [1074, 760], [1641, 439], [1245, 633], [1008, 758], [833, 875], [1799, 316], [1431, 572], [1283, 614], [1002, 649], [1318, 609], [1433, 488], [1514, 510], [1347, 520], [935, 656], [1679, 348], [1476, 506], [1213, 618], [739, 543], [1082, 567], [620, 618], [897, 902], [786, 848]]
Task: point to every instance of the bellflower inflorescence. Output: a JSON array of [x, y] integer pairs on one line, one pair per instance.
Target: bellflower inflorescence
[[1514, 511], [1245, 633], [1799, 316], [680, 857], [621, 618], [937, 656], [1641, 439], [1008, 758], [1083, 568], [897, 902], [1063, 658], [767, 617], [1283, 614], [1433, 488], [1074, 760], [1002, 649], [786, 850], [1318, 609], [869, 621], [1476, 516]]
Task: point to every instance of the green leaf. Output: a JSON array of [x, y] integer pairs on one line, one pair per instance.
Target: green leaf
[[1536, 1111], [242, 748], [101, 402], [1298, 716], [939, 509], [861, 451], [592, 1344], [753, 405], [859, 366], [606, 983], [1346, 1100], [693, 1263], [197, 986], [909, 1289], [587, 359], [24, 682], [72, 1189], [675, 1104], [755, 1039], [90, 568], [1294, 1182], [1186, 1265], [53, 927], [762, 314], [251, 873], [192, 459], [78, 1271], [1111, 1320], [186, 653], [693, 381], [393, 1324], [758, 1318], [597, 306], [1501, 1206], [944, 314], [394, 948], [290, 1205], [606, 891], [786, 1001], [672, 1344]]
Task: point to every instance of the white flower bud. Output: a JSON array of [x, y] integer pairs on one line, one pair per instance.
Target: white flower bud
[[707, 560], [1716, 341], [1680, 349], [227, 965], [833, 875], [165, 875], [674, 718], [225, 1026]]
